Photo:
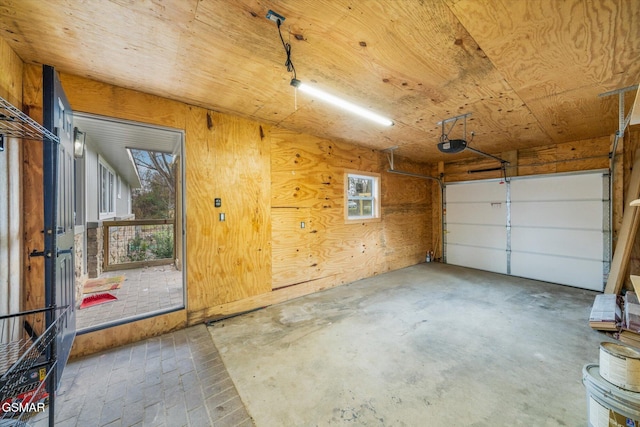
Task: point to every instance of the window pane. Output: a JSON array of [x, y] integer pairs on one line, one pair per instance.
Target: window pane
[[107, 190], [367, 207], [360, 186], [360, 208], [353, 208], [352, 186], [361, 196]]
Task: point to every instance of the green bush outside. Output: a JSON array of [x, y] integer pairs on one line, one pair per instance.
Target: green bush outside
[[164, 244], [157, 246], [137, 250]]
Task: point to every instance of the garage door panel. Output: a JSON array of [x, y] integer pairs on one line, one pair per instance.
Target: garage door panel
[[562, 242], [586, 274], [561, 188], [477, 213], [481, 258], [556, 234], [585, 214], [487, 191], [477, 235]]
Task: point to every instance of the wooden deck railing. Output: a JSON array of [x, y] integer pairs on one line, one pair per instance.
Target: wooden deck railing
[[138, 243]]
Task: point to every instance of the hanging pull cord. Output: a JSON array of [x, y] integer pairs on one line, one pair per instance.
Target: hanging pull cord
[[287, 49]]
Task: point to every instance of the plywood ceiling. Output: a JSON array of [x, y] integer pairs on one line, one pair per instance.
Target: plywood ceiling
[[529, 71]]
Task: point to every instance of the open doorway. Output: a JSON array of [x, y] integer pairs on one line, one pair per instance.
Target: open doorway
[[129, 222]]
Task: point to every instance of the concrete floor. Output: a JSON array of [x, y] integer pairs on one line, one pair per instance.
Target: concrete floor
[[431, 344]]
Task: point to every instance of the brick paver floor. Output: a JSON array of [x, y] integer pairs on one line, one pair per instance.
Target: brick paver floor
[[177, 379], [144, 291]]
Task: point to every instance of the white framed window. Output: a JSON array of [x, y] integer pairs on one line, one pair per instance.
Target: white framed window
[[106, 190], [361, 196]]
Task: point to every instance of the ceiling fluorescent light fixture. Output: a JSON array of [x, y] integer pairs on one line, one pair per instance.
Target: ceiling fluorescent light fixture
[[341, 103], [317, 93]]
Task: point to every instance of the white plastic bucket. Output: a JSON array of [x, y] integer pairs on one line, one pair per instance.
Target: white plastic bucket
[[620, 365], [607, 404]]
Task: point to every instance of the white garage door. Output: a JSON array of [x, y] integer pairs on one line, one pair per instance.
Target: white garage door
[[553, 227], [476, 225]]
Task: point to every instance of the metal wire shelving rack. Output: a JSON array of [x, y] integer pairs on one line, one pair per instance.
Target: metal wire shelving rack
[[28, 364], [16, 124], [28, 361]]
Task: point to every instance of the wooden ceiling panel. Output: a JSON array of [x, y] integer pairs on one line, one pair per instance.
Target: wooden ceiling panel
[[541, 46], [529, 71], [576, 114], [220, 76], [121, 36], [405, 56], [558, 55]]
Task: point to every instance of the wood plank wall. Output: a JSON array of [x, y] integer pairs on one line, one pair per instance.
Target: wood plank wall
[[32, 194], [227, 158], [308, 175], [11, 75], [307, 186]]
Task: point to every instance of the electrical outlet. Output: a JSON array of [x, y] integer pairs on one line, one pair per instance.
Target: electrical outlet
[[275, 17]]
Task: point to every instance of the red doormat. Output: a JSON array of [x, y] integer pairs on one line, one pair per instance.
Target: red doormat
[[96, 299]]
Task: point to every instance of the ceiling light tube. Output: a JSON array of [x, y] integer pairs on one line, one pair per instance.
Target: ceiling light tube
[[363, 112]]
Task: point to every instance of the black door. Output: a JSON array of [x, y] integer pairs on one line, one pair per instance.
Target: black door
[[58, 211]]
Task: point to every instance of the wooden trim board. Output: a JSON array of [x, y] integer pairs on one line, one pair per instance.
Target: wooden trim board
[[635, 280], [263, 300], [628, 231], [104, 339]]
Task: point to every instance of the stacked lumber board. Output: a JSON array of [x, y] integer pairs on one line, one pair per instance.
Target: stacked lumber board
[[605, 313], [611, 312], [607, 306], [620, 315], [628, 232], [630, 328]]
